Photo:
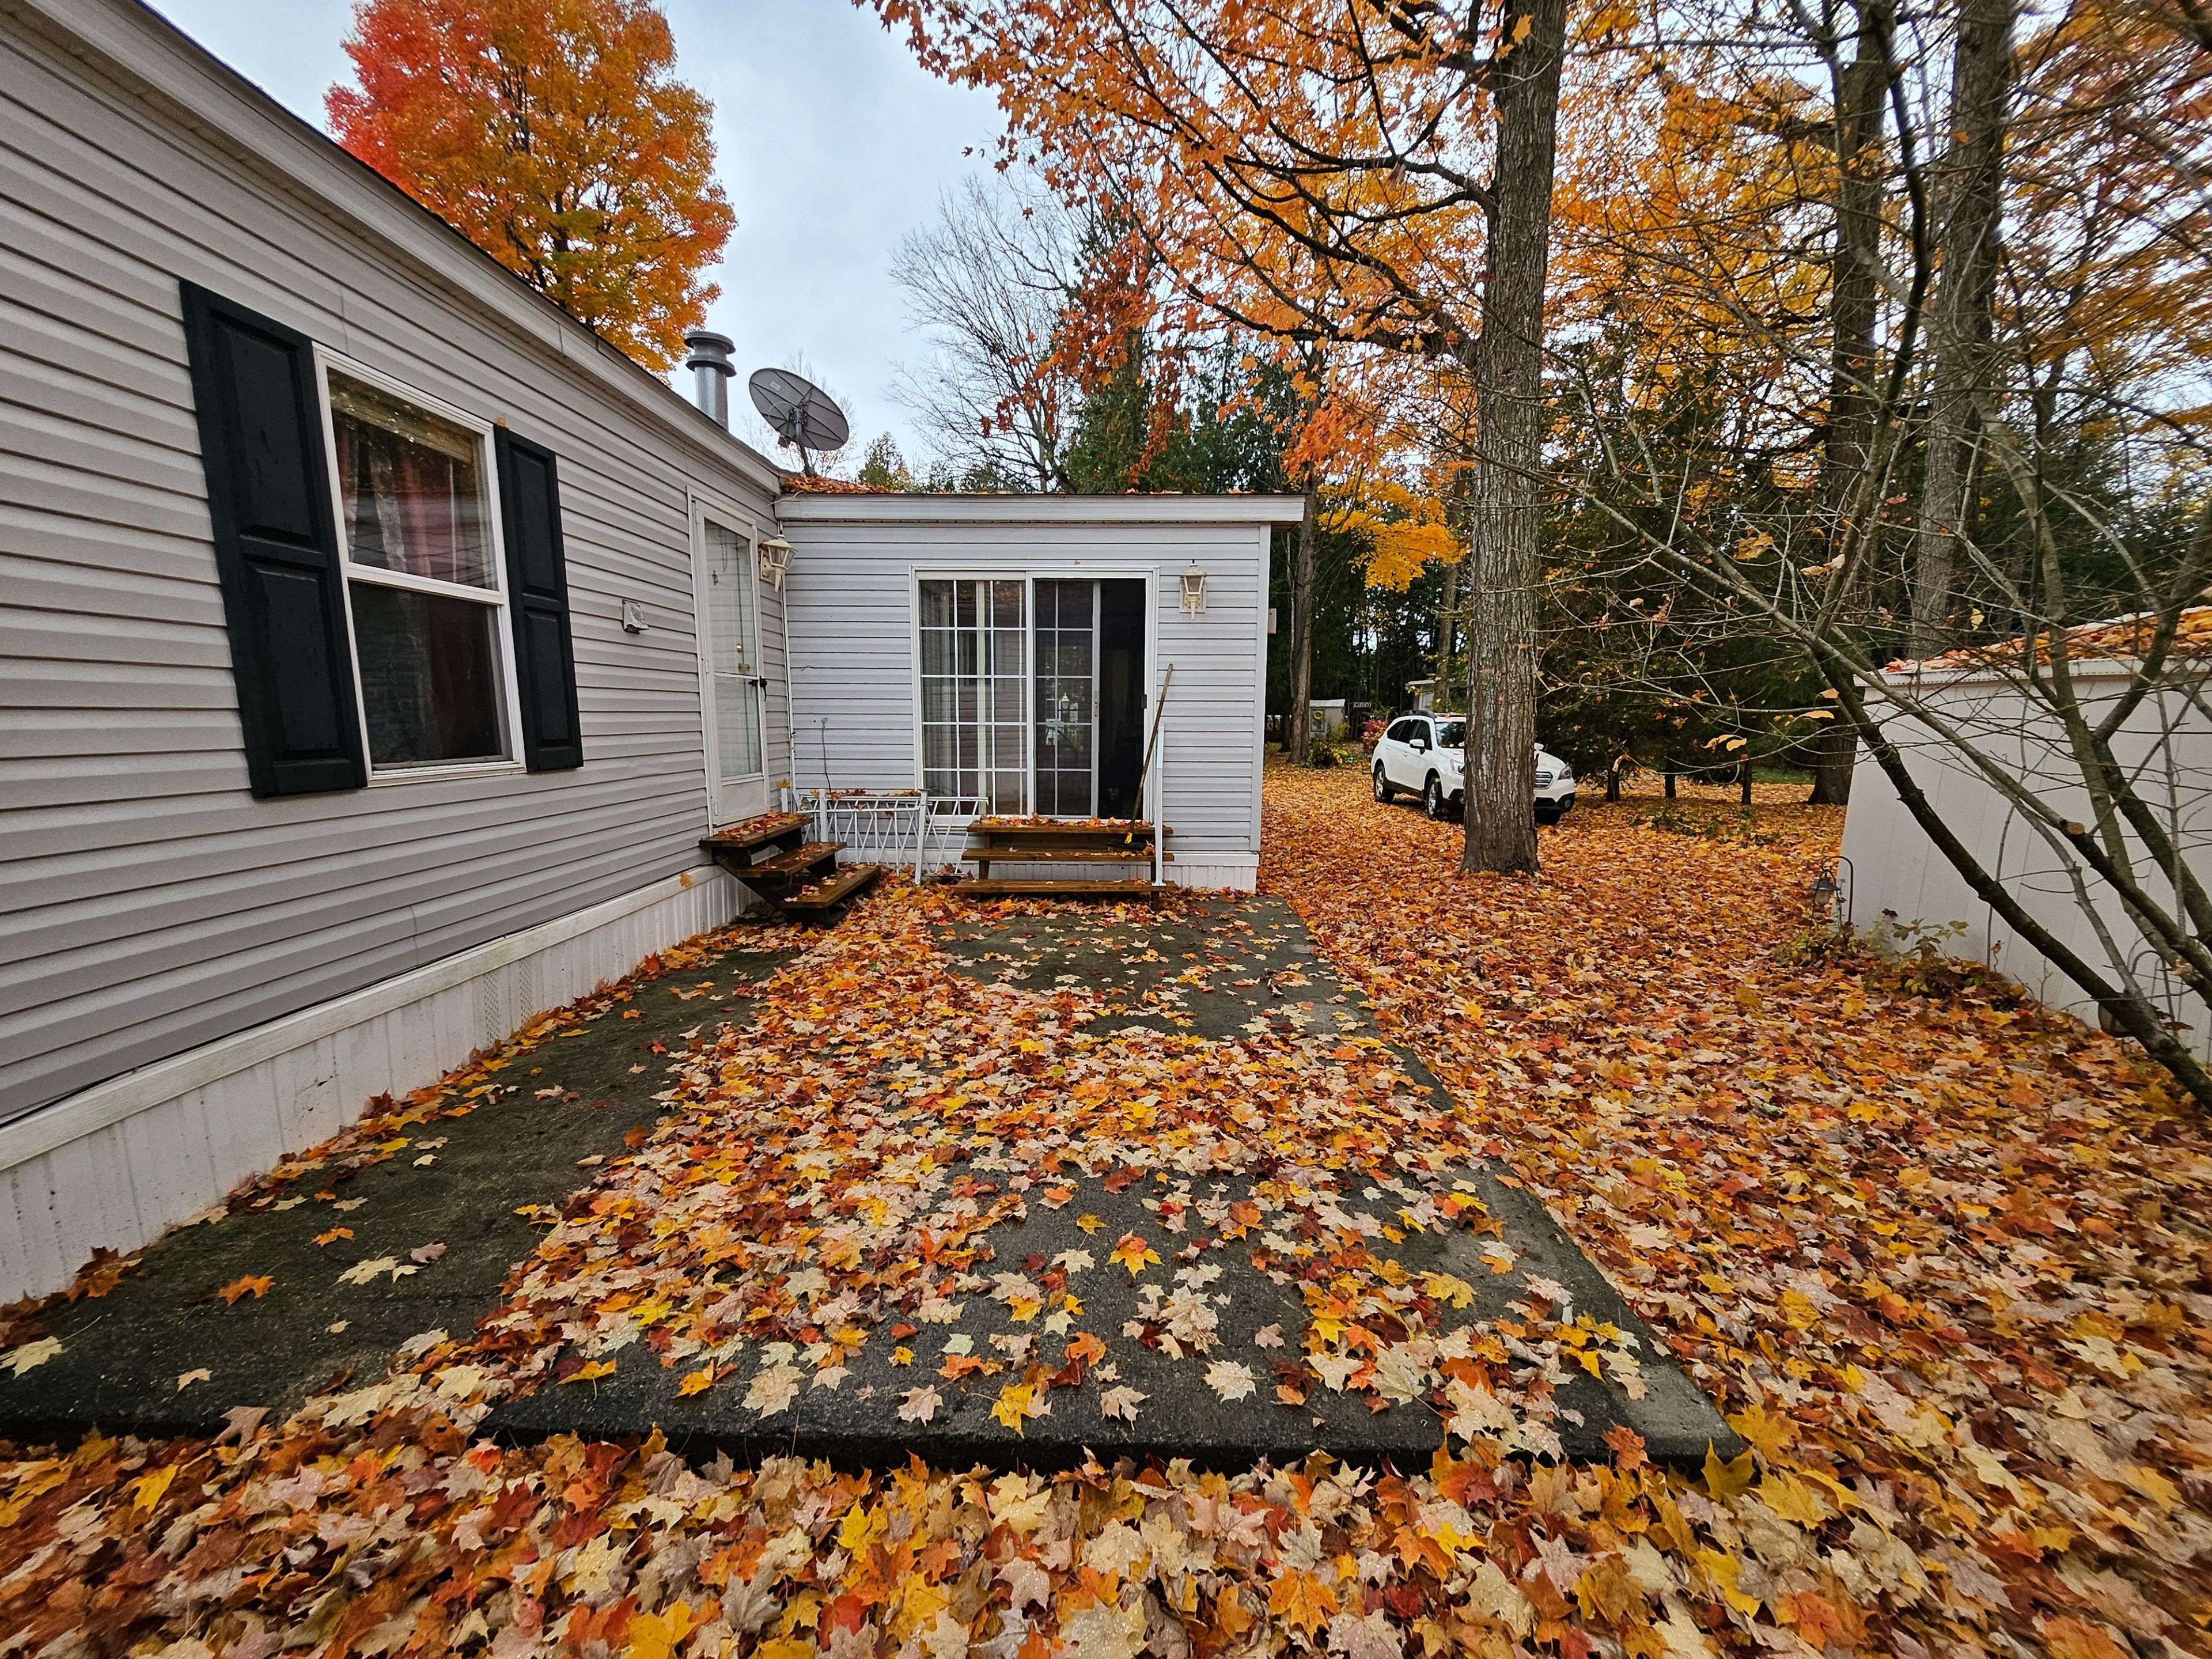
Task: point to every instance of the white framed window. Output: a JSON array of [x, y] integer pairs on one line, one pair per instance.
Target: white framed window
[[425, 577], [974, 659]]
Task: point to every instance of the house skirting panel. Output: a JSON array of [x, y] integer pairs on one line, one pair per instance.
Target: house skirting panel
[[114, 1165]]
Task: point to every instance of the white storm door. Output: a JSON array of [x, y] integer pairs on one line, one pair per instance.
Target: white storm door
[[730, 668]]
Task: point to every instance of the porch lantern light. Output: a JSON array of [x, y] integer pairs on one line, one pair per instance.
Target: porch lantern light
[[1825, 894], [1193, 589], [775, 560]]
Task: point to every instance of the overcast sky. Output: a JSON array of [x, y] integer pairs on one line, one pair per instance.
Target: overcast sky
[[831, 143]]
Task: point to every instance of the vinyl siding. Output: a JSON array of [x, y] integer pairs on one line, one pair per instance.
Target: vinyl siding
[[148, 903], [850, 593]]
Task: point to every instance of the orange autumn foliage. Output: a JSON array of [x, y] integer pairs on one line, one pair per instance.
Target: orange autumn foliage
[[555, 135]]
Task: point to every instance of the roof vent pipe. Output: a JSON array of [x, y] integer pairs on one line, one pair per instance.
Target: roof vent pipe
[[710, 364]]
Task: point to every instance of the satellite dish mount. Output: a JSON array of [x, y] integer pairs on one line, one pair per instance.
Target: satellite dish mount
[[802, 415]]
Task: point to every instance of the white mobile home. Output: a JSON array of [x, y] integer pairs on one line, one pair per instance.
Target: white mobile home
[[377, 644], [1007, 649]]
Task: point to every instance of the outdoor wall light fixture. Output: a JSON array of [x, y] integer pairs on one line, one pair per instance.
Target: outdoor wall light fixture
[[633, 618], [775, 560], [1193, 589]]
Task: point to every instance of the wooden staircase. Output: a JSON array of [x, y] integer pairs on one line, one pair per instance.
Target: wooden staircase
[[800, 877], [1032, 841]]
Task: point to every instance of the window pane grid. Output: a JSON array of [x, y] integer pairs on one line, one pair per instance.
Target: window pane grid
[[422, 587], [974, 656]]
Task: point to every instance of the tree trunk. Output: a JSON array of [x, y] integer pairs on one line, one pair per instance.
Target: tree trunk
[[1501, 746], [1861, 104], [1835, 751], [1300, 734], [1612, 779], [1448, 625], [1670, 777], [1969, 189], [1743, 780]]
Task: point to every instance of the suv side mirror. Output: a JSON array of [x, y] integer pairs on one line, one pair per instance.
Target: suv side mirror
[[1420, 743]]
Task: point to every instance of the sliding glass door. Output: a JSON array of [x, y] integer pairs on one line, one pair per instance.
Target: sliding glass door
[[1033, 693]]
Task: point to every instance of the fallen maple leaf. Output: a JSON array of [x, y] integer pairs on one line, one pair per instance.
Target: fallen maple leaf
[[1230, 1379], [1121, 1400], [1013, 1405], [697, 1382], [30, 1354], [256, 1286], [773, 1390], [186, 1379], [919, 1405], [1133, 1253]]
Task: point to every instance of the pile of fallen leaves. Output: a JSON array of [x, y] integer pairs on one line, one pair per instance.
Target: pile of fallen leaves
[[1943, 1259]]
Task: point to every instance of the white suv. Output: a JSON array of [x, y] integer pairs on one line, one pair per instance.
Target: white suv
[[1426, 755]]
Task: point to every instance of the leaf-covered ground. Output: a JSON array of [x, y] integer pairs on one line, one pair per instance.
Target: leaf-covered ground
[[1942, 1259]]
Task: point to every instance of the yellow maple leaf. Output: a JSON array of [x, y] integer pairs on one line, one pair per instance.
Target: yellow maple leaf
[[1301, 1601], [593, 1372], [698, 1381], [654, 1635], [1726, 1479], [1769, 1434], [149, 1487], [1133, 1253], [1089, 1223], [1792, 1500], [1013, 1404]]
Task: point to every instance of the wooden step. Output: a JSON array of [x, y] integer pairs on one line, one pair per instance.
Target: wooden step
[[1046, 888], [1049, 828], [831, 891], [798, 859], [756, 832], [1059, 855]]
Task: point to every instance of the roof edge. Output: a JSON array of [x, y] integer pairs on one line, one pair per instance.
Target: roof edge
[[915, 507]]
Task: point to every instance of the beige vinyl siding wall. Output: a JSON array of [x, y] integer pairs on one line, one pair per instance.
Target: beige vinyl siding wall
[[850, 593], [148, 903]]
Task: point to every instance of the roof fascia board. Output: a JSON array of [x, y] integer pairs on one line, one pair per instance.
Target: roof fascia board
[[800, 507], [127, 41]]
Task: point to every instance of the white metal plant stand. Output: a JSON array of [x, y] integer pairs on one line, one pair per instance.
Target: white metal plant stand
[[895, 826]]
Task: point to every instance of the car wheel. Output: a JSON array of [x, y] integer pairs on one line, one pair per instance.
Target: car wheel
[[1433, 799], [1383, 791]]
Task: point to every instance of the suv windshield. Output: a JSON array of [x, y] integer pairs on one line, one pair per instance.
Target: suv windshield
[[1451, 734]]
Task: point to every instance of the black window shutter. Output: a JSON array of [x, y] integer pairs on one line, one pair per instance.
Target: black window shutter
[[276, 546], [537, 592]]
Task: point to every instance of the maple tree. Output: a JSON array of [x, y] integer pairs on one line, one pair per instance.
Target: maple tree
[[555, 136]]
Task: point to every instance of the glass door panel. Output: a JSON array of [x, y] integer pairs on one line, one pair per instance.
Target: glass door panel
[[1066, 698], [974, 639]]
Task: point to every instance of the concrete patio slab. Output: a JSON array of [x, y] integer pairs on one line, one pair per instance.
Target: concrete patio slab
[[1212, 969]]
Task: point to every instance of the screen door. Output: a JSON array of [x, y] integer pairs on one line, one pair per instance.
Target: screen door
[[733, 651]]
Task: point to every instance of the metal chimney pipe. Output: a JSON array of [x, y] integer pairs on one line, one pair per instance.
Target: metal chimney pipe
[[710, 364]]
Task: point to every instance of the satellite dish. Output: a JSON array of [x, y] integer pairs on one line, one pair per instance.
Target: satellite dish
[[800, 413]]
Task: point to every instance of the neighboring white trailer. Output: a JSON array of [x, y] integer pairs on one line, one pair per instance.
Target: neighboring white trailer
[[1895, 881]]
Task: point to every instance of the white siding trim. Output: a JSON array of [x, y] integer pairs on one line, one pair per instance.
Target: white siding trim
[[107, 1103], [910, 509]]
